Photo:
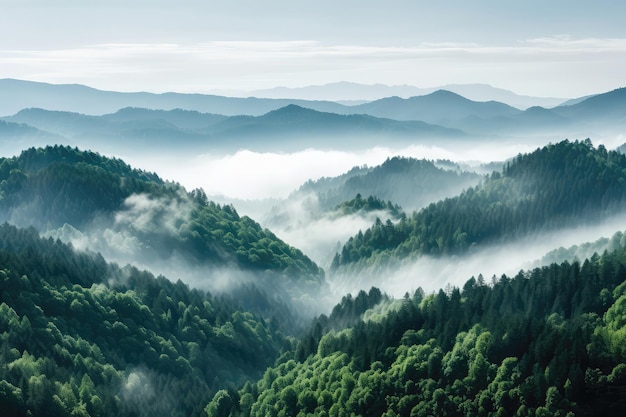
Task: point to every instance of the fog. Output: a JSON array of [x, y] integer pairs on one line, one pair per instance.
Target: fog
[[434, 273], [319, 233], [131, 238], [137, 387], [257, 175], [119, 239], [254, 175], [141, 234], [247, 176], [258, 183]]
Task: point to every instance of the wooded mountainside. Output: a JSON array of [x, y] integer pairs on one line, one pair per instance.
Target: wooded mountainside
[[547, 342], [559, 185], [53, 187], [79, 336], [409, 182]]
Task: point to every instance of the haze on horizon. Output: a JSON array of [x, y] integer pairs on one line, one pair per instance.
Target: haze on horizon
[[559, 49]]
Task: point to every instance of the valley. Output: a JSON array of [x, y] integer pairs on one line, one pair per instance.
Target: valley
[[424, 261]]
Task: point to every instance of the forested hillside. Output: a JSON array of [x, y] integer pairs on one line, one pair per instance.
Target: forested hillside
[[559, 185], [79, 336], [108, 206], [411, 183], [323, 214], [547, 342]]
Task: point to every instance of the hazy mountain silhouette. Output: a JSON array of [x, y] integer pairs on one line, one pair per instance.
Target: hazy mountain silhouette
[[16, 95], [441, 107], [196, 119], [412, 183], [606, 106], [280, 129], [349, 93]]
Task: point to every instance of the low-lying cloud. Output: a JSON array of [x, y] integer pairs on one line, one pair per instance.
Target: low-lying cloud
[[319, 233], [145, 213], [434, 273], [247, 174]]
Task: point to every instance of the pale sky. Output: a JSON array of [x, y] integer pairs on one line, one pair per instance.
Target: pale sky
[[543, 48]]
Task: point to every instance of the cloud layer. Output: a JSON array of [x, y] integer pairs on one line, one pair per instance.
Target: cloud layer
[[558, 66], [257, 175]]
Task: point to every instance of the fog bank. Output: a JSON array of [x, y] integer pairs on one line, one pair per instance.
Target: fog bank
[[247, 174], [432, 274]]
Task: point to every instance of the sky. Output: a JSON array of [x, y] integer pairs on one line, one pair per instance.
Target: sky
[[542, 48]]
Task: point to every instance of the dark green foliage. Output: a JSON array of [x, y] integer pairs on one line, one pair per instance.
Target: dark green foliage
[[79, 336], [546, 342], [371, 203], [49, 187], [345, 314], [54, 186], [552, 187]]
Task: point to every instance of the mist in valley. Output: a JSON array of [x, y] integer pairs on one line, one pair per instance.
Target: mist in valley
[[248, 175], [140, 235], [264, 185], [264, 179], [491, 261]]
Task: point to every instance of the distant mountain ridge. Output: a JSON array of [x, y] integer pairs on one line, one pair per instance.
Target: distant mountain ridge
[[440, 107], [346, 92], [16, 95], [289, 127], [288, 124]]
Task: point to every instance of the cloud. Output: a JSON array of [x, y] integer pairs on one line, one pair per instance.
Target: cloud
[[148, 214], [539, 66], [302, 223], [256, 175], [121, 240], [137, 384], [432, 273]]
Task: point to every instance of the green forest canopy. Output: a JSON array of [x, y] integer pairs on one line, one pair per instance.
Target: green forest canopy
[[547, 342], [558, 185], [79, 336], [50, 187]]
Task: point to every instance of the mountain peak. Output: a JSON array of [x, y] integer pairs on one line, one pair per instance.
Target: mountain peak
[[291, 110], [446, 94]]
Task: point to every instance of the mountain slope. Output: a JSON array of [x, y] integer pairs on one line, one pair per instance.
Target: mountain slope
[[128, 214], [321, 215], [348, 91], [127, 129], [16, 95], [598, 108], [79, 336], [560, 184], [441, 107], [282, 129], [20, 136], [303, 125], [546, 342], [409, 182]]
